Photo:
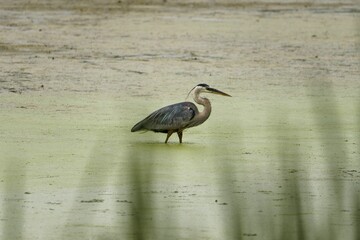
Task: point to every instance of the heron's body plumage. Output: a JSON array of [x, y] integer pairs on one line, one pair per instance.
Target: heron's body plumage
[[173, 117]]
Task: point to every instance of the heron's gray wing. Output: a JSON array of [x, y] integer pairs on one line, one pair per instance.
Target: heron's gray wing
[[172, 117]]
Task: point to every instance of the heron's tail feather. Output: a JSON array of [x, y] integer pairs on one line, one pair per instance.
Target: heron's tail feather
[[137, 127]]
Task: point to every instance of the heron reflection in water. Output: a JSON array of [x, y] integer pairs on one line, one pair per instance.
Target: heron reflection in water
[[179, 116]]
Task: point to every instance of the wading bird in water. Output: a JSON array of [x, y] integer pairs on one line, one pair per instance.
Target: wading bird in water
[[179, 116]]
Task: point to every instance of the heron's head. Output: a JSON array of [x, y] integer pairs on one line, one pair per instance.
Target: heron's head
[[204, 88]]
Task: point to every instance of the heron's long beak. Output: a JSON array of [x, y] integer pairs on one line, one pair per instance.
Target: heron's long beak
[[215, 91]]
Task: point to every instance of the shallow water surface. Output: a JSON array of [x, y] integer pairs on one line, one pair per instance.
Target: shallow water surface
[[278, 160]]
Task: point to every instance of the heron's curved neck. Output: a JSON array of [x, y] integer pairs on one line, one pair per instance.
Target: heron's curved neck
[[204, 102]]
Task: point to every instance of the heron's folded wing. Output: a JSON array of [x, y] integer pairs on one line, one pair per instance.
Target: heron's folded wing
[[174, 117]]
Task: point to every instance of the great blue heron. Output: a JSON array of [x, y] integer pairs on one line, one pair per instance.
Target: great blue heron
[[179, 116]]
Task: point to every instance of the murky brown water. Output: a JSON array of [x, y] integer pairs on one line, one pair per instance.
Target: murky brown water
[[277, 160]]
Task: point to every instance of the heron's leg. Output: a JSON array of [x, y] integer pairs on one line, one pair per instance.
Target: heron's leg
[[168, 135], [180, 136]]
